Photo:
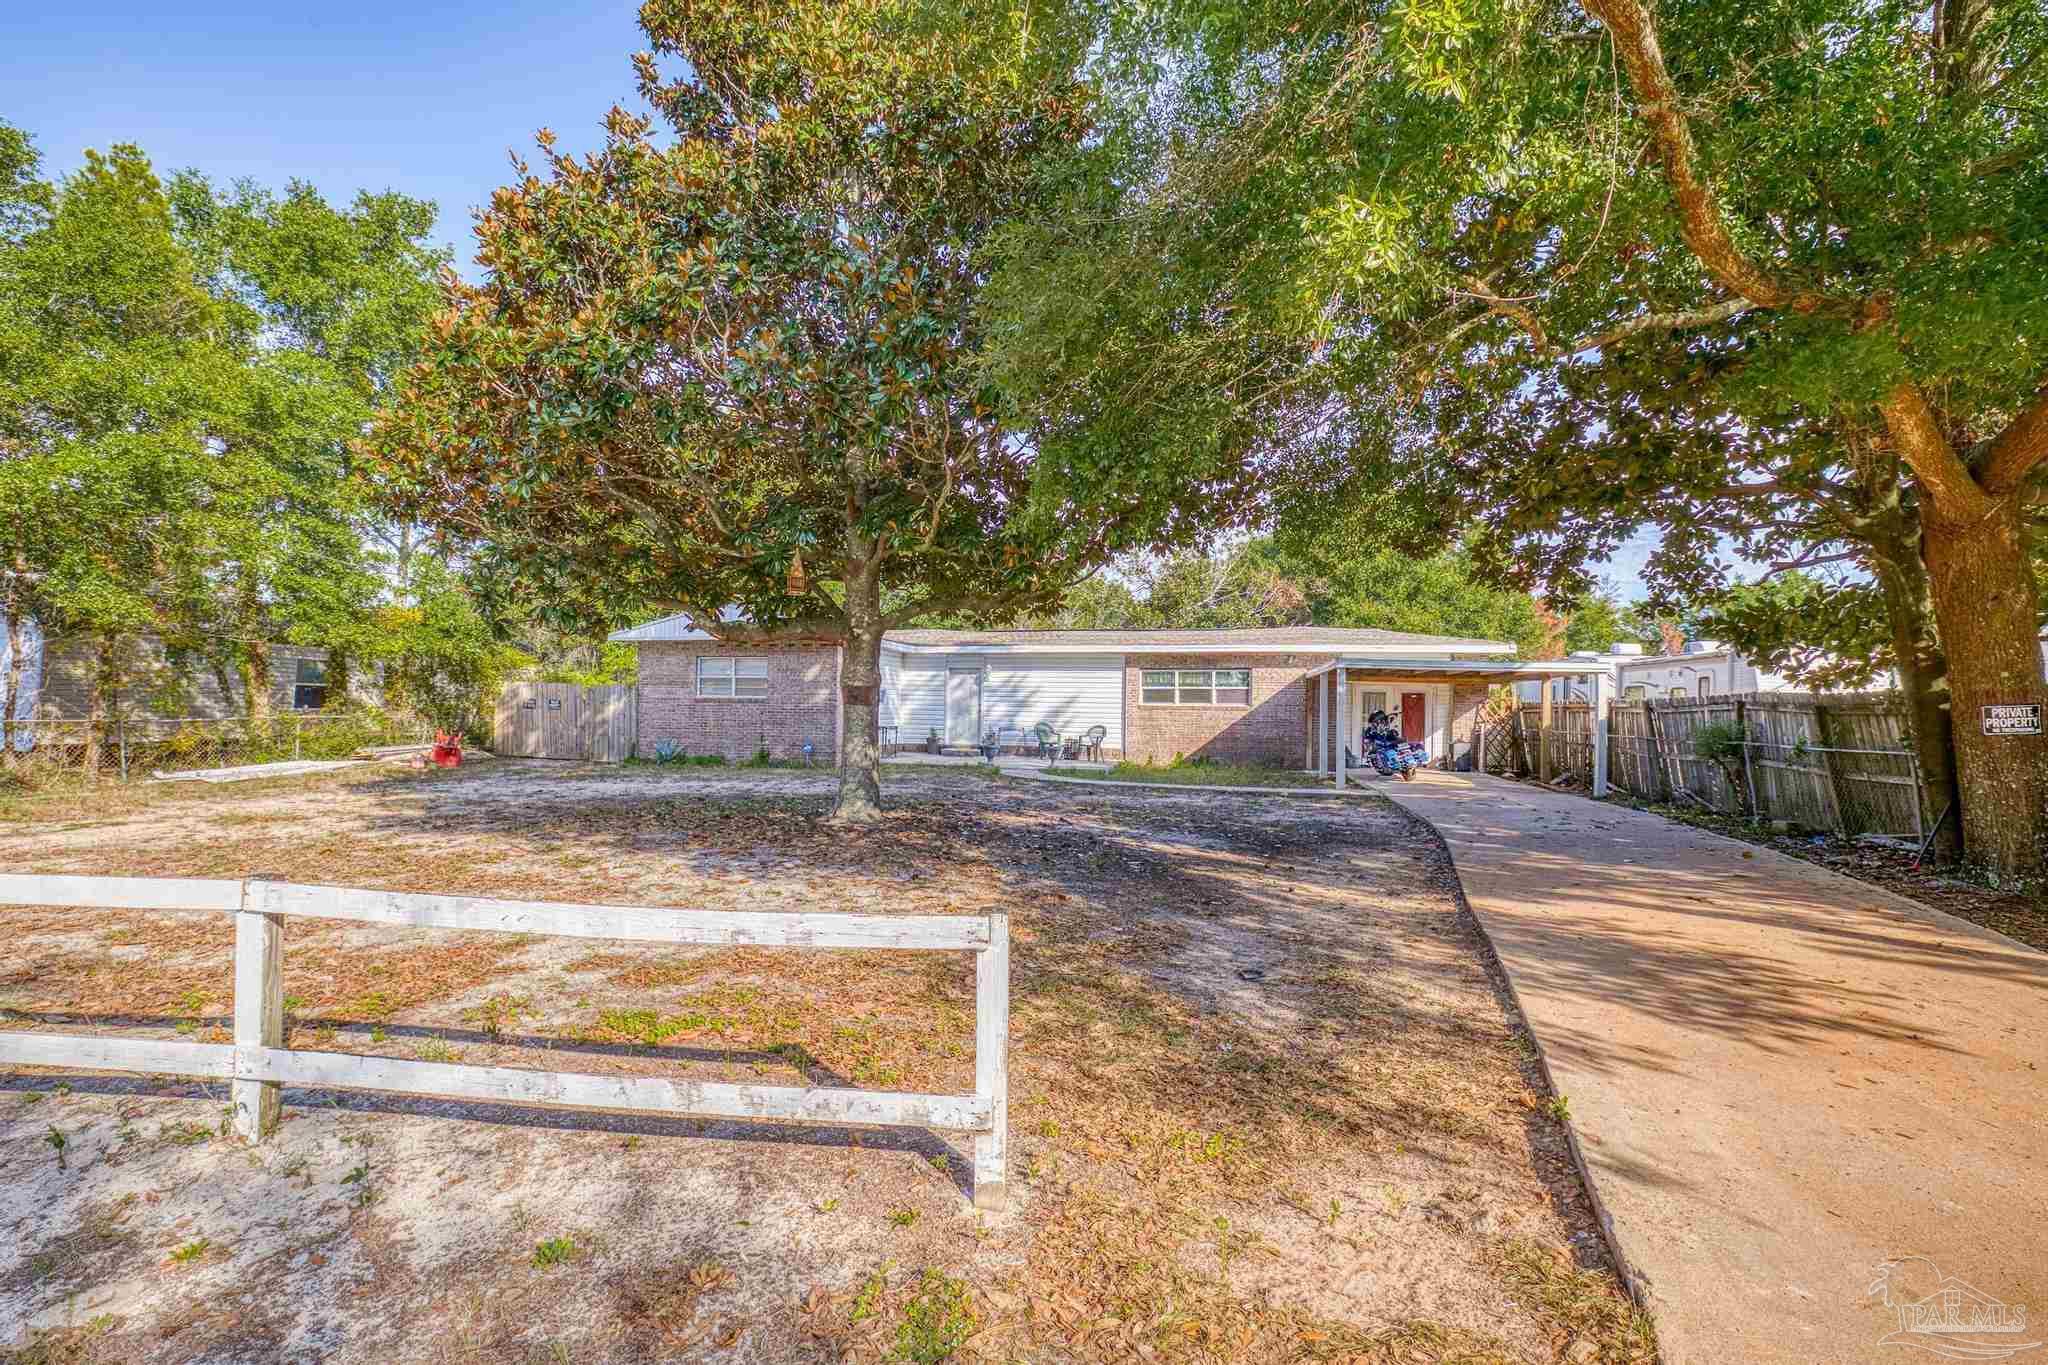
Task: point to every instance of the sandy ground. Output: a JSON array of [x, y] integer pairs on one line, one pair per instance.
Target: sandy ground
[[1268, 1101]]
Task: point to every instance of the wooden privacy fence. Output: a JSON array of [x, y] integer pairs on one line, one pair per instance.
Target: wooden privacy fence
[[562, 720], [258, 1065], [1824, 761]]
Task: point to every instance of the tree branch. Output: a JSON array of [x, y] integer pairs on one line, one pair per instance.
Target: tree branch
[[2019, 448], [1668, 322], [1927, 452], [1700, 219]]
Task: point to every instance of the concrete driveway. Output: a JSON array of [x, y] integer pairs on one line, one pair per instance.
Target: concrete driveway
[[1781, 1079]]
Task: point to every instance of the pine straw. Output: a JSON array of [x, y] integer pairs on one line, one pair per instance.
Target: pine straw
[[1193, 1153]]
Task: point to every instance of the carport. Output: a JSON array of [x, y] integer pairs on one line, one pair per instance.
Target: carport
[[1341, 691]]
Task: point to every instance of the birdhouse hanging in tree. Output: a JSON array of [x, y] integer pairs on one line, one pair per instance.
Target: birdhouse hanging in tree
[[797, 583]]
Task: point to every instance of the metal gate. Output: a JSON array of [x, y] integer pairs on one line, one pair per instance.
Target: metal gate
[[561, 720]]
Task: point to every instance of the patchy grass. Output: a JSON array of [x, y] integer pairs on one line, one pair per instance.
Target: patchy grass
[[1266, 1101], [555, 1251], [1198, 773]]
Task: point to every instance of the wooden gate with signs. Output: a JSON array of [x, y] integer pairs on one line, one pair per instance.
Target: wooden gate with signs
[[561, 720]]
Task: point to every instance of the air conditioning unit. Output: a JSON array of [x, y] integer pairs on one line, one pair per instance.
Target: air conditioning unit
[[1701, 646], [1625, 647]]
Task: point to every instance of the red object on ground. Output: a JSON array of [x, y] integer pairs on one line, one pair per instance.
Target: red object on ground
[[447, 750]]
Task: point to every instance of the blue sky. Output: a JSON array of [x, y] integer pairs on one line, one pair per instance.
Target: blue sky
[[426, 99]]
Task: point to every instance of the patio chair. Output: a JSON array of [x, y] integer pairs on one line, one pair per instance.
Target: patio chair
[[1048, 740], [1091, 742]]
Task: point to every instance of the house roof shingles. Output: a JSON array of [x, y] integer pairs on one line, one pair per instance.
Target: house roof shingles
[[1323, 639]]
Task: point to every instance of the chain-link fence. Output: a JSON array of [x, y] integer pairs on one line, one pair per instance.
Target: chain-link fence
[[136, 747]]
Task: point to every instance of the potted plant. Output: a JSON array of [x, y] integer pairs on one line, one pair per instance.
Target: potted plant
[[931, 742]]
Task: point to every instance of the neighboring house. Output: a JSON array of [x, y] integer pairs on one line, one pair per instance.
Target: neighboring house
[[58, 682], [1268, 696]]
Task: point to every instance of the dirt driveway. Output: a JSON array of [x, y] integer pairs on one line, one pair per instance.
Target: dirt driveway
[[1267, 1100]]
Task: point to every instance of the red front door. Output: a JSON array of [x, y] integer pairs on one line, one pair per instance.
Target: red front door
[[1412, 716]]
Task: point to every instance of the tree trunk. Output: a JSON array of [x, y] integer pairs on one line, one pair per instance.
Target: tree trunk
[[1986, 605], [100, 699], [254, 666], [1923, 683], [337, 681], [860, 686], [15, 623]]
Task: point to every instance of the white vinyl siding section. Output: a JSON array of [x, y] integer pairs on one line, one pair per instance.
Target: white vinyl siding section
[[916, 684], [1069, 692]]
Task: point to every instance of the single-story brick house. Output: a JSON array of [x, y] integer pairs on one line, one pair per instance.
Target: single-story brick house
[[1280, 696]]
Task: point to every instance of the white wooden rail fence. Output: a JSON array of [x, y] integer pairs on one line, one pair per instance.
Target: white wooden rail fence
[[258, 1064]]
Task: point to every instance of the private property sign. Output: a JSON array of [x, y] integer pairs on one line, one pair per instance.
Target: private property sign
[[2012, 720]]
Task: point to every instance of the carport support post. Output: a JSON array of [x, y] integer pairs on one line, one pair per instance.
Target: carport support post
[[992, 1062], [1600, 705], [1343, 709], [1322, 725], [259, 1012]]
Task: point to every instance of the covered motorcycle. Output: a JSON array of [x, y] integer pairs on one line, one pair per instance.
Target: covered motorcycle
[[1390, 754]]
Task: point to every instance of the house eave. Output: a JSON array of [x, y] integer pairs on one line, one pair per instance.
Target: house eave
[[1500, 670]]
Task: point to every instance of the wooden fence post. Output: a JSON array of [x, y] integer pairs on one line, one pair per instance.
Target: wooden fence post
[[1748, 777], [259, 1013], [1543, 769], [1826, 733], [992, 1060], [1654, 776]]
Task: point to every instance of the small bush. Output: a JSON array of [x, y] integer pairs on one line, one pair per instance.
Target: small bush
[[1722, 743]]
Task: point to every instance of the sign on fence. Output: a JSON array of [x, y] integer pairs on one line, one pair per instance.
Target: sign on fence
[[2021, 719]]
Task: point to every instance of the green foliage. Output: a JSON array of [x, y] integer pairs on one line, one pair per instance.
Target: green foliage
[[937, 1321], [600, 665], [441, 657], [1597, 621], [181, 371], [555, 1251], [1722, 743], [804, 262], [1294, 580], [1819, 634]]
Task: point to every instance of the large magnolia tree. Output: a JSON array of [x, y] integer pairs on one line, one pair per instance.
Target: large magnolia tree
[[741, 366]]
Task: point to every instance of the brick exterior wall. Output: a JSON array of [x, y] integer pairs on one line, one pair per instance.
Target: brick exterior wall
[[802, 702], [1467, 700], [1272, 731]]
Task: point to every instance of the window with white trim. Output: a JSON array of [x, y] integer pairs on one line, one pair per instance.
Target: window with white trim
[[726, 677], [1635, 692], [1196, 687]]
